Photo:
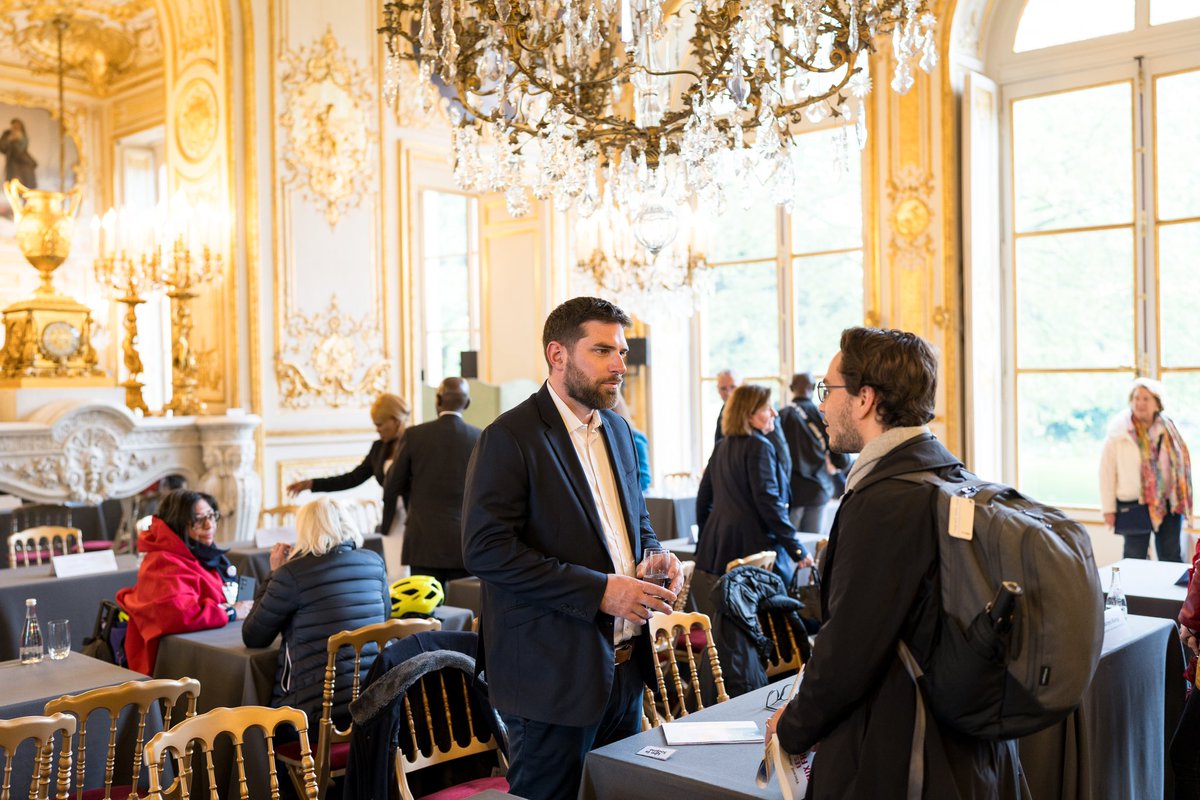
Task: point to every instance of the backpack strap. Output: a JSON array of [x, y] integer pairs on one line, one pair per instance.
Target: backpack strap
[[916, 758]]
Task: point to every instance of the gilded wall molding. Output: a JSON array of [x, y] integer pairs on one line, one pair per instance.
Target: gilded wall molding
[[197, 120], [290, 470], [910, 195], [330, 358], [326, 124]]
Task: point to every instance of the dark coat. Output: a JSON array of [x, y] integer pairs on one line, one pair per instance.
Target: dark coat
[[532, 534], [430, 473], [880, 584], [308, 599], [371, 467], [739, 507], [808, 442]]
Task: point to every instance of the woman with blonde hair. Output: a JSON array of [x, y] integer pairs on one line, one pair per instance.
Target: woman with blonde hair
[[1146, 475], [325, 584], [390, 414]]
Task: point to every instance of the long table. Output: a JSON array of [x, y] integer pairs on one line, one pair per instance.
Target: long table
[[1114, 746], [76, 599], [672, 517], [1149, 586], [27, 689]]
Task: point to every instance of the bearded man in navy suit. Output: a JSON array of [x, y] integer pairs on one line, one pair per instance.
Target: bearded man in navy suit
[[554, 525]]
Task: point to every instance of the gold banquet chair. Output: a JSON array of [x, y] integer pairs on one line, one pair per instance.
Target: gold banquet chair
[[367, 513], [787, 652], [763, 560], [42, 731], [234, 723], [143, 695], [278, 517], [680, 637], [333, 745], [36, 545], [689, 569]]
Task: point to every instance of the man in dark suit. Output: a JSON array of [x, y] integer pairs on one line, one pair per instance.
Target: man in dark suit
[[554, 525], [430, 473], [808, 444]]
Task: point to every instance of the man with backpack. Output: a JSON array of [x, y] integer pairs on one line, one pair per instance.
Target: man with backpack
[[813, 464], [882, 585]]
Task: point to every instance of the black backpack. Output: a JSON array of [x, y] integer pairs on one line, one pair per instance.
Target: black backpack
[[107, 642]]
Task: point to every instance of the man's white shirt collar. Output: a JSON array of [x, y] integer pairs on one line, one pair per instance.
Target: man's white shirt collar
[[572, 422], [450, 413]]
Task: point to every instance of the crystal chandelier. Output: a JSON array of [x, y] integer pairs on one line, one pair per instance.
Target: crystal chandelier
[[666, 280], [692, 100]]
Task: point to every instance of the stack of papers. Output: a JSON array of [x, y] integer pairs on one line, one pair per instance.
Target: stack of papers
[[678, 733]]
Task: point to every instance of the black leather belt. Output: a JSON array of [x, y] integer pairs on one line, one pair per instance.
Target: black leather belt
[[623, 652]]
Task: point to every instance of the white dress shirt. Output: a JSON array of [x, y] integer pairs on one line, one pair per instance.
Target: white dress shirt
[[593, 457]]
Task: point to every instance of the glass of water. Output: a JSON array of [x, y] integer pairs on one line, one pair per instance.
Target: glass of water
[[59, 635]]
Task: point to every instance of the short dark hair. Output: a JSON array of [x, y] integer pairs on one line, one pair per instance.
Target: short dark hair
[[175, 509], [902, 369], [565, 323]]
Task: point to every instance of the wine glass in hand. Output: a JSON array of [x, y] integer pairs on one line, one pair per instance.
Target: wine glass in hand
[[656, 567]]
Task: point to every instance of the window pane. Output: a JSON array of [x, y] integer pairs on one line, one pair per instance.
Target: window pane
[[1172, 10], [741, 234], [1050, 22], [829, 298], [1182, 405], [444, 223], [1061, 425], [739, 321], [447, 304], [1177, 123], [830, 218], [445, 275], [1073, 159], [1179, 286], [1075, 300]]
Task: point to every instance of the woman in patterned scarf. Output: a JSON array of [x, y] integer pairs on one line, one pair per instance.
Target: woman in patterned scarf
[[1146, 475]]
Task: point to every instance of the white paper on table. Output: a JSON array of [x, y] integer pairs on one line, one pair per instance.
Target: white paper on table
[[90, 563], [678, 733], [266, 537]]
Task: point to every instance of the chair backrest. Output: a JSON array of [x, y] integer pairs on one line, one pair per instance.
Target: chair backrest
[[762, 560], [35, 514], [37, 545], [204, 730], [678, 636], [142, 695], [367, 513], [42, 731], [689, 569], [379, 634], [787, 653], [278, 517], [438, 718], [819, 552]]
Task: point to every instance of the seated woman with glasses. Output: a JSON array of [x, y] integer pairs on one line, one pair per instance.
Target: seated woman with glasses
[[326, 584], [741, 507], [185, 582]]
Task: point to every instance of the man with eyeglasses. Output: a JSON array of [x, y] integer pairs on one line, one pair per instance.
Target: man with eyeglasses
[[880, 584]]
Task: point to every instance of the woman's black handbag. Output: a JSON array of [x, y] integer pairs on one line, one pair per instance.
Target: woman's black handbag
[[809, 594], [1133, 517], [107, 642]]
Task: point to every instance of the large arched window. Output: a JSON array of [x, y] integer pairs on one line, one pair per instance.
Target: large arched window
[[1100, 178]]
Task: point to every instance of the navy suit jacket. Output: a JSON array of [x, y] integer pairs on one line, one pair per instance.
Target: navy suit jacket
[[532, 534]]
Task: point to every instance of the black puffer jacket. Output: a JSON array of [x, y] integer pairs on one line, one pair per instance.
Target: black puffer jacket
[[308, 600]]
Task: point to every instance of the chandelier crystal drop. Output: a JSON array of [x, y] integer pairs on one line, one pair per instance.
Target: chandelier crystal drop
[[699, 98]]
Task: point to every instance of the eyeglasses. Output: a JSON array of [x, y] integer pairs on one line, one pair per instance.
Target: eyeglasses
[[778, 698], [823, 389], [203, 519]]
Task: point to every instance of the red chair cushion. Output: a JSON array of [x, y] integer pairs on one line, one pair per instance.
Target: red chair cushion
[[339, 754], [698, 639], [97, 544], [469, 789], [118, 793]]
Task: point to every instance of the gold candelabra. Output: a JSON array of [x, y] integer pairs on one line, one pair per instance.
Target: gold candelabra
[[128, 277], [183, 277]]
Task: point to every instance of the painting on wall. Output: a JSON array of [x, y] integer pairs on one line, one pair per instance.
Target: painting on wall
[[29, 138]]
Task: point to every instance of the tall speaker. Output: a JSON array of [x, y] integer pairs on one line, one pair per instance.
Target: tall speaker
[[469, 364], [637, 355]]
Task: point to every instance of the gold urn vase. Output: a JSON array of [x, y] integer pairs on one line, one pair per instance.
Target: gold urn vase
[[47, 337]]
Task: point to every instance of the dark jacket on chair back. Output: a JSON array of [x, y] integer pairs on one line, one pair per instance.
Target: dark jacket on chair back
[[308, 600]]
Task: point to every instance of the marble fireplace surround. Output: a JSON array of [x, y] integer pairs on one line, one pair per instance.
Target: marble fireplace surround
[[87, 451]]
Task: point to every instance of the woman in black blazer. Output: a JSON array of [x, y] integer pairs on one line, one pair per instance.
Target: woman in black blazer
[[390, 414], [741, 506]]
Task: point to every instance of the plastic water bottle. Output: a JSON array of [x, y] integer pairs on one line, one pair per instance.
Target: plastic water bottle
[[1116, 596], [31, 637]]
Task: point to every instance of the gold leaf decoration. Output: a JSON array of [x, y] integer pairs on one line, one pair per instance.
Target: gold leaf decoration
[[196, 122], [326, 125], [330, 358]]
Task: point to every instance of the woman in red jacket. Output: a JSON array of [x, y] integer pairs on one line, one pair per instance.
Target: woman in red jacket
[[182, 579]]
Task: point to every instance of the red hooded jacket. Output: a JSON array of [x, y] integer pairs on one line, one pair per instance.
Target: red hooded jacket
[[174, 593]]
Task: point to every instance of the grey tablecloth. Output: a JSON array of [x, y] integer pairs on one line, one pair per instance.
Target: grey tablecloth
[[256, 561], [1115, 744], [27, 689], [465, 593], [672, 517], [1149, 586], [453, 618], [74, 599]]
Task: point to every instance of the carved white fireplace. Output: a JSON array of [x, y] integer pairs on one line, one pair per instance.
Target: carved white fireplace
[[89, 451]]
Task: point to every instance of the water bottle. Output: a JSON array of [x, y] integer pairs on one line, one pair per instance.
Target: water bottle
[[31, 638], [1116, 597]]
